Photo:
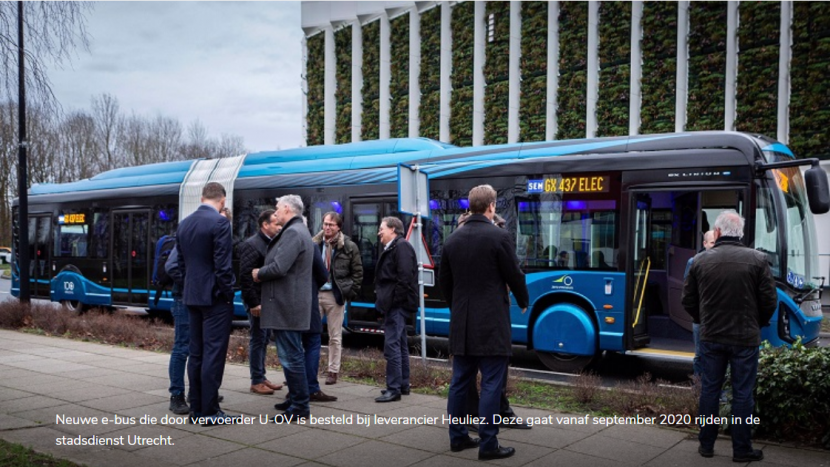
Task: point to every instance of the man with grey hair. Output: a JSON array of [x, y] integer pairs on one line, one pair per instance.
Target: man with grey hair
[[286, 299], [730, 291]]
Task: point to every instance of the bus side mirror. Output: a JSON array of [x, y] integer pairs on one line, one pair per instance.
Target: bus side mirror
[[818, 192]]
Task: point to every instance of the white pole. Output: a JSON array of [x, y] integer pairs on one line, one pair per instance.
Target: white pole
[[730, 106], [636, 68], [784, 57], [553, 71], [357, 80], [479, 41], [385, 77], [330, 116], [682, 77], [445, 89], [414, 71], [418, 234], [514, 72], [593, 71]]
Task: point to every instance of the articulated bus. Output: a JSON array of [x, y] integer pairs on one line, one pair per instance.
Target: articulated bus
[[603, 228]]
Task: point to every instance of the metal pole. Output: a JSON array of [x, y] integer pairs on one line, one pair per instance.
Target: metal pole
[[23, 199], [420, 270]]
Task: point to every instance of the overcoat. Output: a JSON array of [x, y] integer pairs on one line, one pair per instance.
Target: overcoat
[[286, 279], [478, 264], [204, 245]]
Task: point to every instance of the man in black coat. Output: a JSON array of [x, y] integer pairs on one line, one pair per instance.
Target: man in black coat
[[730, 291], [396, 289], [478, 264], [252, 255]]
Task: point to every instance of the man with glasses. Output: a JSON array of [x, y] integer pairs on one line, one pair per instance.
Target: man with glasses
[[342, 258]]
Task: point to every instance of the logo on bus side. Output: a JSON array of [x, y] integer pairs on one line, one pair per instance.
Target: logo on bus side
[[563, 283], [69, 288]]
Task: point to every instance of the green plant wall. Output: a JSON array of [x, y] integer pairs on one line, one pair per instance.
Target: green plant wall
[[496, 74], [810, 80], [707, 66], [659, 80], [429, 80], [461, 103], [343, 76], [534, 68], [315, 77], [399, 80], [370, 120], [758, 51], [614, 102], [573, 77]]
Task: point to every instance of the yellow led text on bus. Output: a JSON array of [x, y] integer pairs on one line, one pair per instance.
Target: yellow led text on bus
[[595, 184], [77, 218]]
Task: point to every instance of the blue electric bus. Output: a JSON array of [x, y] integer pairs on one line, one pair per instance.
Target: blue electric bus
[[603, 228]]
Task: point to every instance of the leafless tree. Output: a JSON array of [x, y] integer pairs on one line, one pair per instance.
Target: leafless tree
[[105, 112], [52, 33], [79, 148]]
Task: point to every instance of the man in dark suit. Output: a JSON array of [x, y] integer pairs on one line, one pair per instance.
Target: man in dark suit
[[479, 262], [204, 247]]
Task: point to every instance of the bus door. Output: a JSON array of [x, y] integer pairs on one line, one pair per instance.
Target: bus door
[[131, 257], [366, 216], [640, 267], [40, 255]]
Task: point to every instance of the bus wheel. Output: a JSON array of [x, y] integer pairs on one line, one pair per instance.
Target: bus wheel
[[564, 362], [74, 306]]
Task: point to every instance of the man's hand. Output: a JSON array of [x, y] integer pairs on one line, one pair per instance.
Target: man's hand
[[255, 273], [256, 310]]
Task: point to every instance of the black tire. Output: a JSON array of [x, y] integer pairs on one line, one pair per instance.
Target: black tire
[[74, 306], [565, 363]]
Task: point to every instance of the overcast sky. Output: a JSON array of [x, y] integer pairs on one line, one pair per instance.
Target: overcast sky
[[235, 66]]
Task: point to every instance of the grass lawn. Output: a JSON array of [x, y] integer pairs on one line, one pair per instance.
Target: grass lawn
[[16, 455]]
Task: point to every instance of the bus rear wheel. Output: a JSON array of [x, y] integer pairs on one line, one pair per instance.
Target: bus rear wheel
[[74, 306], [565, 363]]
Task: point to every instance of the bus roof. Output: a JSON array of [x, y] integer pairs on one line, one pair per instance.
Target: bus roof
[[383, 155]]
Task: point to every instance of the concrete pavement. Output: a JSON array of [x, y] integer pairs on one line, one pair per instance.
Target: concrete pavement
[[42, 378]]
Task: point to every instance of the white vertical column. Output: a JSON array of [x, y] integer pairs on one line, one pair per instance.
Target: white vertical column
[[785, 53], [636, 68], [304, 86], [330, 115], [731, 92], [682, 77], [593, 70], [385, 77], [446, 70], [479, 44], [551, 125], [357, 79], [414, 71], [514, 72]]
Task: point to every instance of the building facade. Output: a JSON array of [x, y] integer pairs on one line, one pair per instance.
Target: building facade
[[472, 73]]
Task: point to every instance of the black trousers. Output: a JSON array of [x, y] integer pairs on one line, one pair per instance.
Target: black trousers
[[210, 330], [504, 404]]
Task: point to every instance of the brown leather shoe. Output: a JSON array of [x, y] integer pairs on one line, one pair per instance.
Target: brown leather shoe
[[331, 378], [261, 388], [320, 396], [275, 387]]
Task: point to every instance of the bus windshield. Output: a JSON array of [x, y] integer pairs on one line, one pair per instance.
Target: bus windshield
[[799, 229]]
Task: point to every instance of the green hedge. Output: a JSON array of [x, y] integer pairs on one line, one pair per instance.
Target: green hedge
[[707, 66], [370, 120], [315, 77], [429, 80], [496, 75], [792, 394], [659, 81], [810, 68], [399, 80], [573, 77], [343, 75], [614, 101], [534, 66], [758, 46], [461, 103]]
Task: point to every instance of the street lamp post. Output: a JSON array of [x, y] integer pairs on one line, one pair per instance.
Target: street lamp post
[[23, 198]]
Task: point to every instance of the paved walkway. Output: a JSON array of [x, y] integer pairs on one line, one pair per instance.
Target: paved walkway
[[43, 377]]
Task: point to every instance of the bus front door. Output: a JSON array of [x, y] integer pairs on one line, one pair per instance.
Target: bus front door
[[131, 258], [40, 274]]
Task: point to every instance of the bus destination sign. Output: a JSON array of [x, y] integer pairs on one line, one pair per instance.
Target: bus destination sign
[[70, 219], [581, 184]]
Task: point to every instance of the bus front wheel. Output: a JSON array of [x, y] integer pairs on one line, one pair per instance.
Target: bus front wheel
[[565, 363]]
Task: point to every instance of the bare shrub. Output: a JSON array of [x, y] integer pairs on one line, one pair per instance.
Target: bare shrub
[[586, 386], [14, 315]]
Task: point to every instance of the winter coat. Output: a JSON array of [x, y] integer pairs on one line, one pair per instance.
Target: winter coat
[[286, 279], [346, 267], [396, 278], [730, 291]]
